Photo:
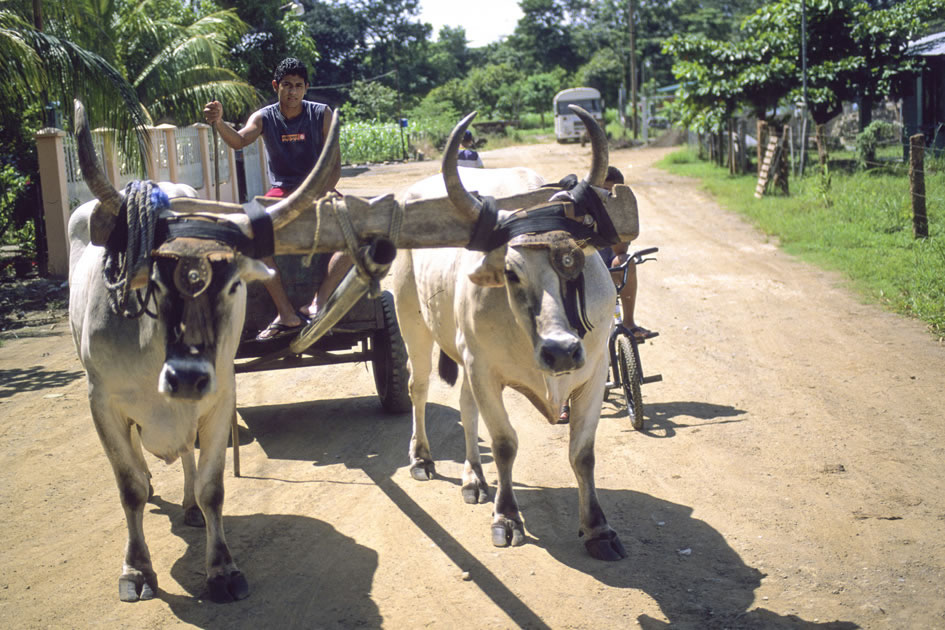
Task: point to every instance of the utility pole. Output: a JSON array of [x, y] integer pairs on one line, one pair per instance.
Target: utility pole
[[804, 81], [633, 68]]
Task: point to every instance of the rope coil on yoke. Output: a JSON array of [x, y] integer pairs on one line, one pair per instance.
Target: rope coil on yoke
[[343, 217], [130, 244]]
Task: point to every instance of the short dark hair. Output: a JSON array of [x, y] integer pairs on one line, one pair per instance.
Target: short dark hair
[[290, 65], [614, 175]]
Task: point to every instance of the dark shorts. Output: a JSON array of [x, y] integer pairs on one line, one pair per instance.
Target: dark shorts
[[607, 253]]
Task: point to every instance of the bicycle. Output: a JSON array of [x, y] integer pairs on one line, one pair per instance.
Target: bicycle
[[625, 365]]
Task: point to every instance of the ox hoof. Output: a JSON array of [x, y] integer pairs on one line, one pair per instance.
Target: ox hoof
[[136, 585], [476, 494], [606, 547], [423, 470], [507, 532], [228, 588], [194, 517]]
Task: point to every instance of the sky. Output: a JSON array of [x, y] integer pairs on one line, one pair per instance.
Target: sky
[[485, 21]]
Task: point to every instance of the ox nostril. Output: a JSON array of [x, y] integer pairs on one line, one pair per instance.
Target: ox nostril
[[561, 355], [202, 383], [187, 379], [172, 380]]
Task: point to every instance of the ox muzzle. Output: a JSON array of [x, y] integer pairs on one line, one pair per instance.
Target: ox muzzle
[[193, 270], [560, 350]]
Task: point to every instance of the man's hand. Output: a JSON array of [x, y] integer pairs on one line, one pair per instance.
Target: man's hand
[[213, 111]]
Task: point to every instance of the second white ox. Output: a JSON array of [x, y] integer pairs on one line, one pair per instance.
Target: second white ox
[[503, 318]]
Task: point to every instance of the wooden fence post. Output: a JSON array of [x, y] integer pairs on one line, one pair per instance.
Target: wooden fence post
[[920, 221]]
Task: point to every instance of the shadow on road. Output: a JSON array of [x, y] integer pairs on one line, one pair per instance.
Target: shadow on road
[[289, 560], [708, 586], [34, 379], [683, 563], [659, 417]]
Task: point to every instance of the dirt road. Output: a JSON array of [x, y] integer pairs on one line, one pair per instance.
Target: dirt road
[[791, 474]]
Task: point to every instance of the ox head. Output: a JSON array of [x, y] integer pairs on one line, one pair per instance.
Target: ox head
[[542, 269], [195, 278]]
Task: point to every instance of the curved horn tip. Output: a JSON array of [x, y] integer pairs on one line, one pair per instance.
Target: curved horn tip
[[600, 155], [459, 197]]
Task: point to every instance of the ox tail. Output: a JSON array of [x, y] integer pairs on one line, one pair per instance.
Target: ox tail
[[447, 369]]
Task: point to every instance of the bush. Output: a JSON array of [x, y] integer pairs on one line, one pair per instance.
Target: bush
[[15, 228], [869, 139]]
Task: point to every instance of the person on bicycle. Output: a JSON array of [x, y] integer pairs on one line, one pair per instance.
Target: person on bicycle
[[616, 255], [468, 156], [294, 130], [612, 257]]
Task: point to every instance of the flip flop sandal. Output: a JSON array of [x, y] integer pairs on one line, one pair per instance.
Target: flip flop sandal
[[640, 333], [274, 330], [565, 414]]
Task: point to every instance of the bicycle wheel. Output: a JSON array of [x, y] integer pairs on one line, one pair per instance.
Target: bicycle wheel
[[630, 379]]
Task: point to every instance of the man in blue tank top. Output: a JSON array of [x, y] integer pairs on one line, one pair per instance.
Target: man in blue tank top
[[294, 131]]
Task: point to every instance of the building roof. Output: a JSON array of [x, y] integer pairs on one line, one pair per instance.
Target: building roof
[[929, 46]]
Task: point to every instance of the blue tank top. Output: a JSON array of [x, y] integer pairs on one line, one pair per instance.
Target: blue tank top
[[292, 146]]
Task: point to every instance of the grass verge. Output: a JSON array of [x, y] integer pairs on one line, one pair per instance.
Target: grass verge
[[857, 223]]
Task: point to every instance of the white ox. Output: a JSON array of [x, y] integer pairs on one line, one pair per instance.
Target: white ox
[[165, 378], [503, 319]]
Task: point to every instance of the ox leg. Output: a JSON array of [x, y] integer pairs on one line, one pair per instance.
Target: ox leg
[[475, 489], [419, 342], [138, 580], [422, 467], [507, 526], [192, 514], [136, 444], [601, 541], [225, 582]]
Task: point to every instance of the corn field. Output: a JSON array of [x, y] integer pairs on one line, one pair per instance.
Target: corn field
[[363, 142]]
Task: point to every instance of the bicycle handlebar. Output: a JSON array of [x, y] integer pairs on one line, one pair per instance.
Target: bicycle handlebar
[[638, 259]]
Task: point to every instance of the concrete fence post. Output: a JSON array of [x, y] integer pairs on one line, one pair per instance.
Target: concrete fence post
[[52, 167], [203, 135], [166, 133], [232, 182], [112, 167], [263, 164]]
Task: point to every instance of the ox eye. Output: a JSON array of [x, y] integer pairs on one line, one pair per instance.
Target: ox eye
[[511, 276], [235, 286]]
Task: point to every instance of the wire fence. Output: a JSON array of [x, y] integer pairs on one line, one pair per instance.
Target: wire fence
[[891, 156]]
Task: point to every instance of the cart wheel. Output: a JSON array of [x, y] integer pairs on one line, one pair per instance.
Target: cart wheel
[[630, 379], [390, 361]]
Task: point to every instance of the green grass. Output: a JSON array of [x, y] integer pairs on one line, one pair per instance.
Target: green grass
[[860, 226]]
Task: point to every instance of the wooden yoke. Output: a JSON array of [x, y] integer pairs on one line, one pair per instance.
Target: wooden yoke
[[426, 223]]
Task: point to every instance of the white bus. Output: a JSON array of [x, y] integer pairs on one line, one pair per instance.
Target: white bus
[[567, 125]]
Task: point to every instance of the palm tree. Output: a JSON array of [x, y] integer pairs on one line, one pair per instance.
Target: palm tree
[[176, 64], [131, 63], [41, 66]]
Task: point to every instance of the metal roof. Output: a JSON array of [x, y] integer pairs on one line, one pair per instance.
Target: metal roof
[[929, 46]]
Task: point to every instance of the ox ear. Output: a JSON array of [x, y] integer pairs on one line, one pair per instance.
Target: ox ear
[[490, 272], [252, 270]]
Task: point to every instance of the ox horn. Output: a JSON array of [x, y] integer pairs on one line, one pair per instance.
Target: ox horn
[[105, 214], [458, 195], [600, 157], [315, 185]]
